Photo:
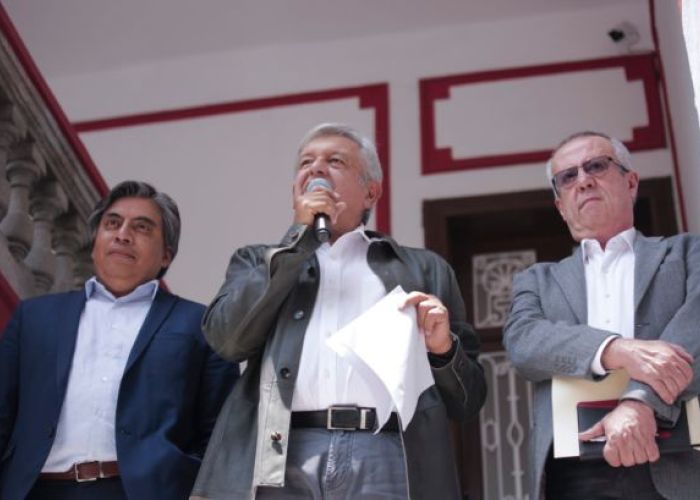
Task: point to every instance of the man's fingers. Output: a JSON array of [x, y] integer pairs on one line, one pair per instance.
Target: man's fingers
[[611, 455], [652, 450], [596, 431], [413, 298], [662, 389], [687, 357]]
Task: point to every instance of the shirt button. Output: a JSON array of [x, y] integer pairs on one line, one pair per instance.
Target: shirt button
[[285, 373], [276, 436], [104, 379], [299, 314]]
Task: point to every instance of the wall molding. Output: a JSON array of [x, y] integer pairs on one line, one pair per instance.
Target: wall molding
[[373, 96], [439, 160]]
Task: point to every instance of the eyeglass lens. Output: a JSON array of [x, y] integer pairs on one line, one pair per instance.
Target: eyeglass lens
[[594, 166]]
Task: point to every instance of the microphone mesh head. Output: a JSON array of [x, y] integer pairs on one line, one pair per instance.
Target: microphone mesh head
[[318, 182]]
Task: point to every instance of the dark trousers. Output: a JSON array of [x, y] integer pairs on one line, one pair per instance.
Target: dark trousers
[[574, 479], [102, 489]]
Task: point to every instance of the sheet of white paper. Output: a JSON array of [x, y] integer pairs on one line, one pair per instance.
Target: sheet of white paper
[[386, 348]]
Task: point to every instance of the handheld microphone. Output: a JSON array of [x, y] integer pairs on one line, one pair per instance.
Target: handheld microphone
[[322, 224]]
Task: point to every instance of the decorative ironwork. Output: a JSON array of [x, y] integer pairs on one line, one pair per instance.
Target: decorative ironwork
[[505, 420], [493, 283]]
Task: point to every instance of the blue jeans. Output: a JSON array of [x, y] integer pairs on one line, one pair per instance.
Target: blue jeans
[[342, 465]]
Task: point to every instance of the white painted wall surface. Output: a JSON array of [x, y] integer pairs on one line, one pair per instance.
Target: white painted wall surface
[[197, 161], [681, 98]]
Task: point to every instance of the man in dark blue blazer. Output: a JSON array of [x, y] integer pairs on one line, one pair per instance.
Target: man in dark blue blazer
[[110, 392]]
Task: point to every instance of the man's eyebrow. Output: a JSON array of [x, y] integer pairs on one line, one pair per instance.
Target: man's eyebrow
[[143, 218]]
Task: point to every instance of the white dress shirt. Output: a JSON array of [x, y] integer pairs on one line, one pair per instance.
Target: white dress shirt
[[610, 288], [347, 288], [106, 333]]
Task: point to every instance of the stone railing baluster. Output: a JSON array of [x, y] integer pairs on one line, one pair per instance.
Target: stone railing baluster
[[12, 129], [24, 167], [48, 201], [70, 234]]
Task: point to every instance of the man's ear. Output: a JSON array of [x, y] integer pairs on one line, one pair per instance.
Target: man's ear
[[633, 183], [374, 192], [557, 203], [167, 258]]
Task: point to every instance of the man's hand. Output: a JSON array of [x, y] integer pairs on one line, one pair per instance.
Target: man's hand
[[666, 367], [318, 201], [433, 319], [630, 431]]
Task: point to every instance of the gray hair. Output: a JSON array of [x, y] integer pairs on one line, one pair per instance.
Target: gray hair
[[368, 151], [622, 154], [169, 212]]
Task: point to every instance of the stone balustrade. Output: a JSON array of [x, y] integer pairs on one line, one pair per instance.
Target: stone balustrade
[[46, 193]]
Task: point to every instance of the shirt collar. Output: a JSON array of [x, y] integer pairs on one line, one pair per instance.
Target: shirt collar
[[144, 292], [621, 242]]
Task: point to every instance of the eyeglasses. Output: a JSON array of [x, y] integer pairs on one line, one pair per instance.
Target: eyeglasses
[[595, 167]]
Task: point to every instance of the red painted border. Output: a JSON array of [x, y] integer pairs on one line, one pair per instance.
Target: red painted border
[[25, 59], [8, 302], [438, 160], [370, 96], [669, 121]]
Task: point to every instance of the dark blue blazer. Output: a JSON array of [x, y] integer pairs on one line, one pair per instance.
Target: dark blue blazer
[[170, 394]]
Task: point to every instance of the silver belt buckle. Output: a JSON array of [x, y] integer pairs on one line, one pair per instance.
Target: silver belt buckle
[[363, 412]]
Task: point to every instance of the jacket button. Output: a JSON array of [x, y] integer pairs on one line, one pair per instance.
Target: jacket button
[[285, 373], [276, 436], [299, 314]]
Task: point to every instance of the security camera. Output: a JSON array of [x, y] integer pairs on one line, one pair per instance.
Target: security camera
[[625, 34]]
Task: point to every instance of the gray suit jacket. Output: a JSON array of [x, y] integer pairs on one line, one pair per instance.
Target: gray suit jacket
[[547, 334]]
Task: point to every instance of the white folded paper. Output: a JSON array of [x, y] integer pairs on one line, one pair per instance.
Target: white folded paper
[[386, 348]]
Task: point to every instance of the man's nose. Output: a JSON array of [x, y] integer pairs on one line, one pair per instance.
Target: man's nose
[[584, 180], [319, 167], [124, 234]]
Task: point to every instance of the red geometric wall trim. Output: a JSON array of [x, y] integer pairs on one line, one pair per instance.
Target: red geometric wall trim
[[374, 97], [437, 160], [8, 302]]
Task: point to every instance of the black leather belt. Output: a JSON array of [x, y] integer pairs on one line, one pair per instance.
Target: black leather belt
[[343, 418]]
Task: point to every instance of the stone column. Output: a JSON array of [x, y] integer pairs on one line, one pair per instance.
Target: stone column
[[83, 265], [24, 167], [70, 234], [12, 129], [48, 201]]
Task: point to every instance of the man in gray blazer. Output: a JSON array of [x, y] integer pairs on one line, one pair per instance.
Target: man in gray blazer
[[622, 300]]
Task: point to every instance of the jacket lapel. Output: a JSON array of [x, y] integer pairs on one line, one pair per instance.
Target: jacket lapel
[[648, 255], [571, 278], [161, 307], [65, 335]]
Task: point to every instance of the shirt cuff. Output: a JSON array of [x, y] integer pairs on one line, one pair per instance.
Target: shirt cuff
[[597, 365]]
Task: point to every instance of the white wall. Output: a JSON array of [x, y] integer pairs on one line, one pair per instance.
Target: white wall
[[254, 152], [684, 114]]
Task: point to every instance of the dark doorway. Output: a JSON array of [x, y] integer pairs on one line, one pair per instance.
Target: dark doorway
[[512, 225]]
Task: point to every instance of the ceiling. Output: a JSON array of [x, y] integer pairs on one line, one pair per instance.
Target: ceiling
[[71, 37]]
